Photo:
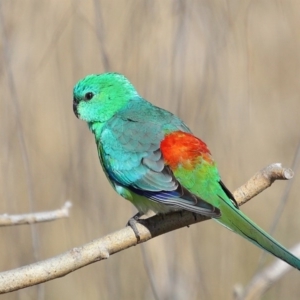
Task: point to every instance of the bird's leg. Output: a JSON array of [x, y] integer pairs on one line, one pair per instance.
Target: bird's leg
[[132, 223], [195, 216]]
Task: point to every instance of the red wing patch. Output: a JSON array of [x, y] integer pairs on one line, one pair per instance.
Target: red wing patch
[[182, 148]]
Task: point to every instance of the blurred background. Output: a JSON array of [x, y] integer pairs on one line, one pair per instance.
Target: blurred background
[[229, 69]]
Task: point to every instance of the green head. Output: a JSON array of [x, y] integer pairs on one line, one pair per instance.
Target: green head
[[98, 97]]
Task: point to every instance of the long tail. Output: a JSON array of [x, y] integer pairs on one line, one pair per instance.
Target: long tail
[[235, 220]]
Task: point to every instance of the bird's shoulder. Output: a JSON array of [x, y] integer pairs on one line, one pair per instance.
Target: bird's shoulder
[[141, 120]]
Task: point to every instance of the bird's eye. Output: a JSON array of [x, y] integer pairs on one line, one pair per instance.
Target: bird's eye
[[88, 96]]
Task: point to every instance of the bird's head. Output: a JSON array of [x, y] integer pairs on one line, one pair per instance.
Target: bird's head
[[96, 98]]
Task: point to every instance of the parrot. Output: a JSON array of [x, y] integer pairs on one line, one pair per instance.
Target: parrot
[[152, 159]]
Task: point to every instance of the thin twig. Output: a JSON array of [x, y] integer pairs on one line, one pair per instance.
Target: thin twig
[[45, 216]]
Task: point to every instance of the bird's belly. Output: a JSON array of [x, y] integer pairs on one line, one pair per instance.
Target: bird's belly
[[142, 203]]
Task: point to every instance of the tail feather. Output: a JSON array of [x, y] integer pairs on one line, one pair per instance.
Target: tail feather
[[236, 221]]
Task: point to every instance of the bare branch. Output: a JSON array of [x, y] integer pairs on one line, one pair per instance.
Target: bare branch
[[45, 216], [260, 181], [265, 279], [102, 248]]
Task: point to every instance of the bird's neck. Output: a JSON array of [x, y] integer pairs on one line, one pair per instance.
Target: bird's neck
[[109, 111], [96, 128]]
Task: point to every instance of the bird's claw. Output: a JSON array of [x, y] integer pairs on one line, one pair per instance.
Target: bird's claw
[[132, 223]]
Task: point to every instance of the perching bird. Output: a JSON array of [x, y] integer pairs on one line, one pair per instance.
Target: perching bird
[[152, 159]]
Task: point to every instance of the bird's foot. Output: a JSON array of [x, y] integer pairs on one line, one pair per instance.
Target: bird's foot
[[132, 223]]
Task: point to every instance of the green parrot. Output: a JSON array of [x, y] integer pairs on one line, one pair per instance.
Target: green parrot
[[152, 159]]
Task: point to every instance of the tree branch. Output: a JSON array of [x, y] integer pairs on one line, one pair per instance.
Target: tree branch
[[45, 216], [102, 248], [260, 181]]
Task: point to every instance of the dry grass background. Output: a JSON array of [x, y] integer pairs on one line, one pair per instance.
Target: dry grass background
[[230, 69]]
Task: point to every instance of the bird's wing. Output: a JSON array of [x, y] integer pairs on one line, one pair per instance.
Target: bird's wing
[[132, 157]]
